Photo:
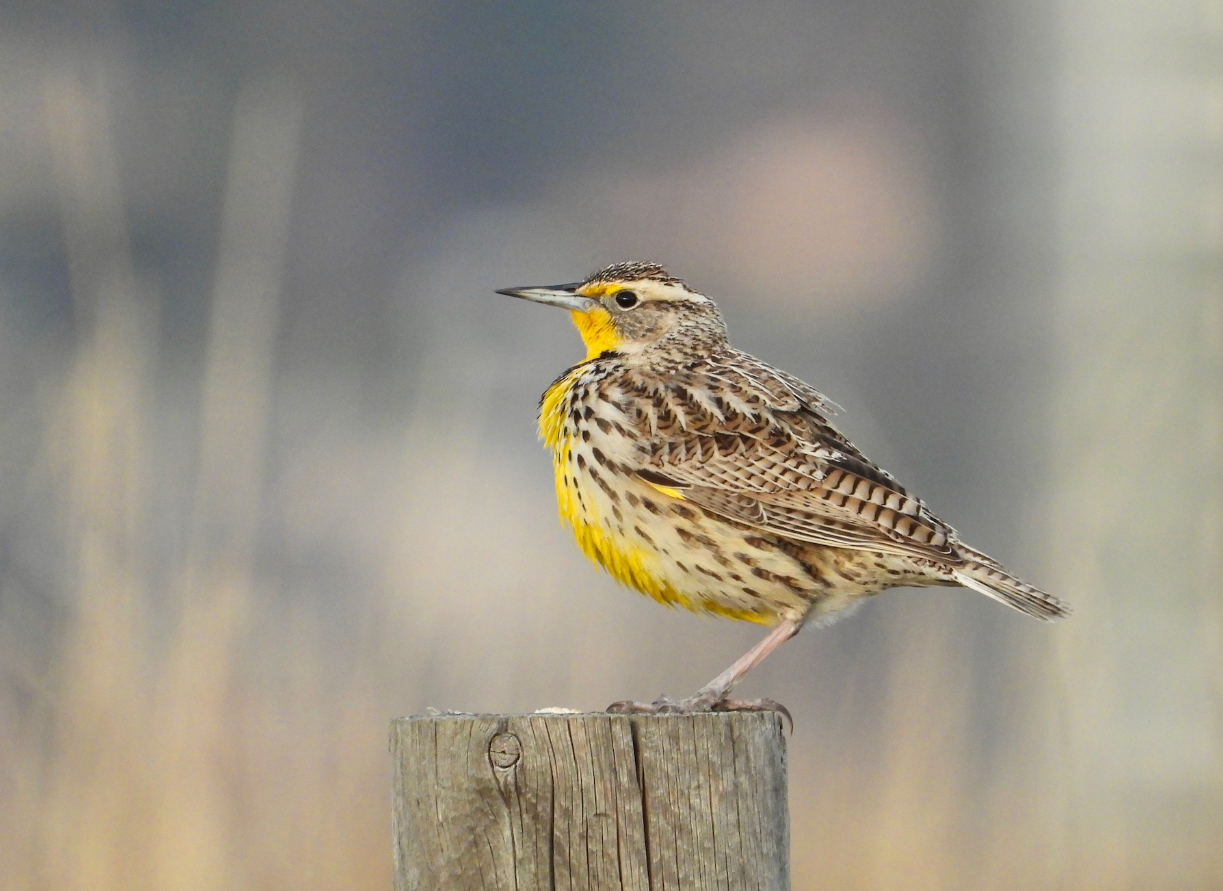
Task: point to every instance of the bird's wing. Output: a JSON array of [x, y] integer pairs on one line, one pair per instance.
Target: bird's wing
[[752, 444]]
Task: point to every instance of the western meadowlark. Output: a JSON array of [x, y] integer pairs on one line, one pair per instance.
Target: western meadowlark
[[705, 478]]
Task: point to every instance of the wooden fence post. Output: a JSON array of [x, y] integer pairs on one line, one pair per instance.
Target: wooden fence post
[[591, 801]]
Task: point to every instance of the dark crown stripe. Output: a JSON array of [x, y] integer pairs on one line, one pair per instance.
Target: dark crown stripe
[[627, 272]]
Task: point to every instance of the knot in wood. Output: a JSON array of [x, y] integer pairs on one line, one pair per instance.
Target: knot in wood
[[504, 750]]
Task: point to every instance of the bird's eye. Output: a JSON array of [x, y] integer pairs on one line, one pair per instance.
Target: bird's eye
[[626, 299]]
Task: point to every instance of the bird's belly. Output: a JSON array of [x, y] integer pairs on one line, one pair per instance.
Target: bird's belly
[[679, 555]]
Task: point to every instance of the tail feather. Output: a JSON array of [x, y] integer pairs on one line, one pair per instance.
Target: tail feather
[[991, 580]]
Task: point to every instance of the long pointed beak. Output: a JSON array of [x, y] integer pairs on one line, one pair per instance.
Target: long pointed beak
[[552, 295]]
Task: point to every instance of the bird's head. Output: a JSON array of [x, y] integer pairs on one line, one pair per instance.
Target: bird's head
[[629, 308]]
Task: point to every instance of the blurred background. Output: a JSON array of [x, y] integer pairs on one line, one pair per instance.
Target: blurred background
[[268, 466]]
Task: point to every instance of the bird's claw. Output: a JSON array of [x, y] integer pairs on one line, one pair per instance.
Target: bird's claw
[[755, 705], [663, 705]]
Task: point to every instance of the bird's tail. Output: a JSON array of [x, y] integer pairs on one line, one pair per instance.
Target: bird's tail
[[980, 573]]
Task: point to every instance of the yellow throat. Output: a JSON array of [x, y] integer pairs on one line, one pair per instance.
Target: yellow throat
[[598, 332]]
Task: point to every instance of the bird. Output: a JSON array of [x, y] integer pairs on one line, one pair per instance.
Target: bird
[[708, 479]]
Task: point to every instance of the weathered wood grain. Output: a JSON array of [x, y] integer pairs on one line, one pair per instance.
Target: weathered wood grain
[[590, 802]]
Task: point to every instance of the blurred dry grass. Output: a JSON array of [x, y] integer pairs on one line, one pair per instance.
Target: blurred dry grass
[[194, 715], [156, 752]]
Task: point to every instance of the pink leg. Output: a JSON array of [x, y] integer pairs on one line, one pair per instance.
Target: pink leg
[[712, 697], [717, 689]]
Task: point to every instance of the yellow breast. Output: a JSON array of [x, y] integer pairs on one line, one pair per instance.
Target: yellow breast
[[608, 540], [577, 497]]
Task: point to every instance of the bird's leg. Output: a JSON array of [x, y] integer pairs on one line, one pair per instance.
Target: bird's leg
[[716, 691], [712, 697]]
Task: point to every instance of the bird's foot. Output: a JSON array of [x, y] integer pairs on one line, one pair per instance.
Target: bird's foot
[[700, 703]]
